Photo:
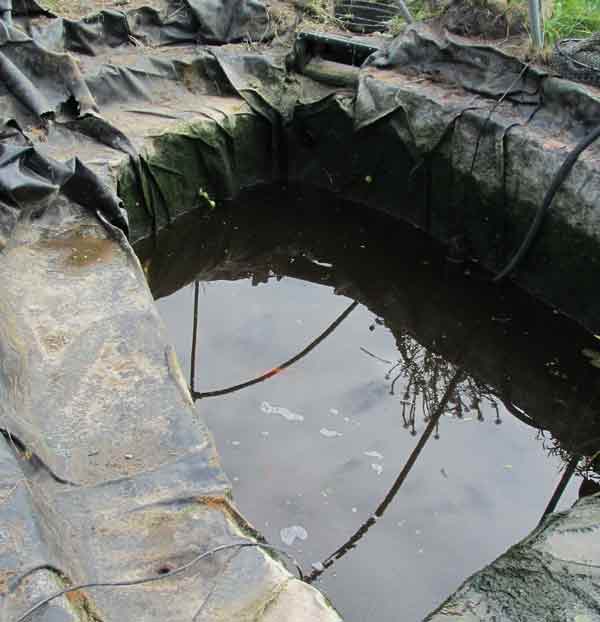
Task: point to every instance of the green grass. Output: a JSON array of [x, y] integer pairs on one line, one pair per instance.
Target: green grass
[[573, 19], [419, 10]]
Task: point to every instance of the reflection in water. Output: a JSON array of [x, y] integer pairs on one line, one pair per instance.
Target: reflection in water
[[425, 374], [369, 380], [561, 486], [393, 491], [273, 371], [194, 338]]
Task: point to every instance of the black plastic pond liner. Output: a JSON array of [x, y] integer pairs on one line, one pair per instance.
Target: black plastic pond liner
[[476, 67], [40, 84], [81, 378], [29, 181], [191, 21]]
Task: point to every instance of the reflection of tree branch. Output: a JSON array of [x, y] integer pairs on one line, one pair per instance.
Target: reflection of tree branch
[[272, 372], [425, 373], [378, 358], [351, 542]]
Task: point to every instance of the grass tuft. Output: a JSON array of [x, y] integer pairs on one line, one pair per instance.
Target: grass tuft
[[573, 19]]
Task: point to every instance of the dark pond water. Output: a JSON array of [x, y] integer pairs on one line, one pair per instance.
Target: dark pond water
[[378, 326]]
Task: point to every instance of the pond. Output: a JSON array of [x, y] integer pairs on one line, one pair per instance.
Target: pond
[[385, 414]]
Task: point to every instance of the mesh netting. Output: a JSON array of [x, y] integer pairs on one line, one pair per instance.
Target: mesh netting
[[365, 16], [578, 59]]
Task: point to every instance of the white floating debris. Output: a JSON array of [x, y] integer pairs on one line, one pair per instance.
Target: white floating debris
[[378, 468], [323, 264], [318, 566], [334, 411], [508, 466], [236, 443], [400, 523], [264, 433], [329, 433], [417, 532], [374, 454], [347, 419], [290, 534], [354, 510], [288, 415]]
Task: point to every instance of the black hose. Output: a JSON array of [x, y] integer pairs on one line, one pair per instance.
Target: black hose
[[540, 216], [272, 372]]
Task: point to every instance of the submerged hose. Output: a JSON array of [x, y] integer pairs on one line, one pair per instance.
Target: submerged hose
[[540, 216]]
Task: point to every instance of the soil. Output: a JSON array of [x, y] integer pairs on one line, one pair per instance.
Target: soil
[[483, 19]]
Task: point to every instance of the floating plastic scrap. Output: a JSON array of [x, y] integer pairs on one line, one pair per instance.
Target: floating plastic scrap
[[329, 433], [378, 468], [288, 415], [290, 534], [374, 454]]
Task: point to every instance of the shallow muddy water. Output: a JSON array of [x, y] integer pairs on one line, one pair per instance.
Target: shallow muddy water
[[347, 330]]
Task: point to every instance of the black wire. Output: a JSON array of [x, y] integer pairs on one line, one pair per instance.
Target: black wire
[[540, 215], [196, 395], [493, 109], [144, 580]]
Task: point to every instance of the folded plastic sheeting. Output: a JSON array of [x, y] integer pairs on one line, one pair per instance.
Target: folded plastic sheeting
[[29, 180], [43, 88], [166, 22], [35, 84]]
